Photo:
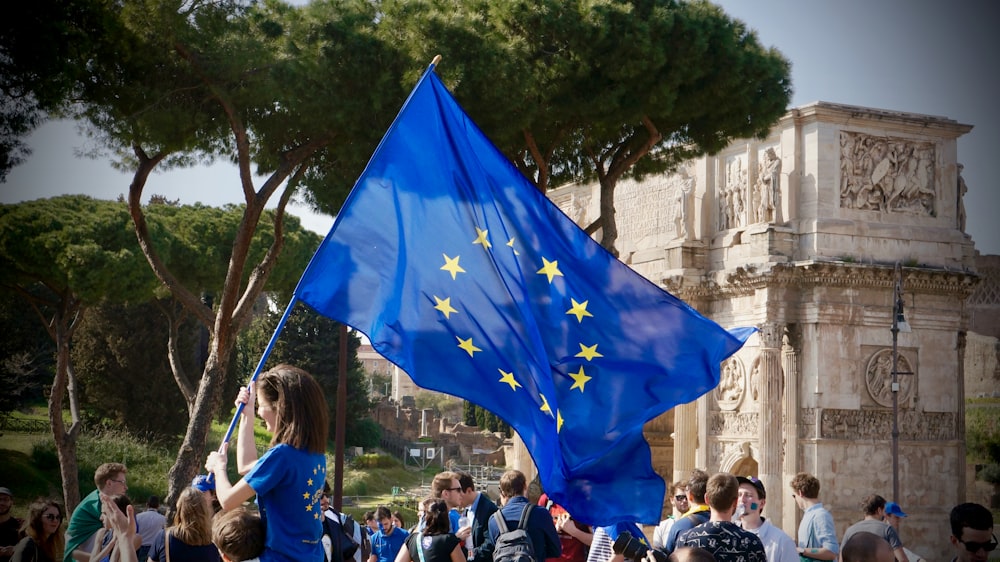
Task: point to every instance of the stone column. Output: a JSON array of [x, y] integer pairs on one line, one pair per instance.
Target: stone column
[[790, 362], [771, 407], [685, 440], [960, 413]]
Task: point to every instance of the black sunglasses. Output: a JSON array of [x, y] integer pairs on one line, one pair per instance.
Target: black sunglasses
[[680, 497], [973, 546]]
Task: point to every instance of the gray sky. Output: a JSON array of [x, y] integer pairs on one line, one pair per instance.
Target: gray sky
[[919, 56]]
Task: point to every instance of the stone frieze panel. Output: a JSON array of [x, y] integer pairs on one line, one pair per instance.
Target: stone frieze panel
[[887, 174], [734, 424], [878, 378], [877, 425]]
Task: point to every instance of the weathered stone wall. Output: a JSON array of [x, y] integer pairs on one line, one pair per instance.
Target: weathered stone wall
[[799, 234]]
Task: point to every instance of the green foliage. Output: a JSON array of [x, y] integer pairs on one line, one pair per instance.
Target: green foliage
[[366, 433], [120, 358], [982, 438], [485, 419], [375, 460], [442, 404], [26, 354]]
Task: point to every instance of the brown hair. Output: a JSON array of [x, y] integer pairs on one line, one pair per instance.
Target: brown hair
[[442, 482], [872, 503], [238, 534], [513, 483], [806, 484], [193, 520], [696, 485], [436, 521], [107, 471], [53, 545], [301, 415], [721, 491]]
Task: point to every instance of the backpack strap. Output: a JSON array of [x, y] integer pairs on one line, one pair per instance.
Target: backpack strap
[[525, 513], [501, 523]]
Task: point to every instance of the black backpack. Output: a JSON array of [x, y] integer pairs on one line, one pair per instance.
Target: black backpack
[[514, 546]]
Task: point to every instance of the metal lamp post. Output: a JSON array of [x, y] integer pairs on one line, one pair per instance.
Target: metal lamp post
[[899, 324]]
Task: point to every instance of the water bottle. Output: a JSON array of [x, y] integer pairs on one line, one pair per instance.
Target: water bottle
[[465, 521], [741, 510]]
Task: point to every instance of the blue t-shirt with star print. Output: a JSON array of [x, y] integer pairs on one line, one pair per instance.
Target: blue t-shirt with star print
[[288, 483]]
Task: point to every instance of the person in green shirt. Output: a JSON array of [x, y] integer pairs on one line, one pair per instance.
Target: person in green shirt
[[110, 479]]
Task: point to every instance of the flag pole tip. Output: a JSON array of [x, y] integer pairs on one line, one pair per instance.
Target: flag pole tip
[[437, 59]]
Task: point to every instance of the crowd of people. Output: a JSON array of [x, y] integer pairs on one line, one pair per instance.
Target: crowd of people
[[713, 518]]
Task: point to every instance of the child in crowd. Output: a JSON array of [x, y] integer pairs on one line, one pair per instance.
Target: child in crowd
[[239, 535]]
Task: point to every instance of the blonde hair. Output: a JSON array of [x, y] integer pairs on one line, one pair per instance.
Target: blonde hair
[[193, 520]]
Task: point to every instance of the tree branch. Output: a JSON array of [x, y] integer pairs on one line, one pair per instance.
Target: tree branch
[[185, 297]]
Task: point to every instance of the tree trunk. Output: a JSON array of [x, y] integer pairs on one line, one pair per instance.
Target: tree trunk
[[191, 456], [609, 228], [65, 441]]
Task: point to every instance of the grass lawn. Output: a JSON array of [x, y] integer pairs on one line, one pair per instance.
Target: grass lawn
[[29, 466]]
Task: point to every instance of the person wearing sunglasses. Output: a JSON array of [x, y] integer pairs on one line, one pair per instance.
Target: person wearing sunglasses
[[43, 541], [678, 506], [972, 533]]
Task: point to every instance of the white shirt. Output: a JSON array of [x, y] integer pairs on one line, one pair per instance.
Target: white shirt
[[778, 546], [149, 524]]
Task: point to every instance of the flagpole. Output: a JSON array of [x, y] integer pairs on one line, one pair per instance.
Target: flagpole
[[260, 367]]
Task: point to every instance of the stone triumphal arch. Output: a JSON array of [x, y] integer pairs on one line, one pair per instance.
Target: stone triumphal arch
[[799, 234]]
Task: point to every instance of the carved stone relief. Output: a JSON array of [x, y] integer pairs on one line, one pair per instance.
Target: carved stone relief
[[733, 423], [656, 207], [877, 424], [767, 187], [732, 384], [887, 174], [732, 194], [878, 378]]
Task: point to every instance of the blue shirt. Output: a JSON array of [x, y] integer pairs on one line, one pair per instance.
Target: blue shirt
[[541, 530], [288, 483], [386, 547], [816, 529]]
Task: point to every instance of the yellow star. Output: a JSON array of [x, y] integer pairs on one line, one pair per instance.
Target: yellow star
[[481, 238], [305, 496], [451, 265], [309, 507], [444, 306], [509, 379], [309, 482], [579, 379], [579, 310], [588, 353], [545, 405], [559, 421], [551, 269], [315, 516], [467, 345], [511, 244]]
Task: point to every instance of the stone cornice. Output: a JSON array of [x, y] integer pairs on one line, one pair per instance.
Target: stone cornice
[[852, 115], [744, 281]]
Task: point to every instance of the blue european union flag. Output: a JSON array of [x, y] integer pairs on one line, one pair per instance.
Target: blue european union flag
[[464, 275]]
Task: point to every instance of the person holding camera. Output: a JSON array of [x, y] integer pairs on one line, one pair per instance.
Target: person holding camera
[[618, 542], [720, 536]]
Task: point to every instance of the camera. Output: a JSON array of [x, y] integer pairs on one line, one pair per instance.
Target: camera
[[633, 549]]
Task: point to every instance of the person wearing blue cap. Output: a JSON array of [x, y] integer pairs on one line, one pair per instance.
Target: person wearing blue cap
[[893, 516], [873, 506]]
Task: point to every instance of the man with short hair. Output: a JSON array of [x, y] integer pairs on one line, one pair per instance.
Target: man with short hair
[[678, 506], [110, 479], [972, 533], [817, 534], [445, 486], [866, 547], [779, 546], [10, 526], [696, 514], [478, 508], [873, 507], [690, 554], [719, 535], [539, 526], [149, 524], [387, 542]]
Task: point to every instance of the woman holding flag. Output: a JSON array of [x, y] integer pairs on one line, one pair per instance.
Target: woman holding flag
[[288, 479]]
